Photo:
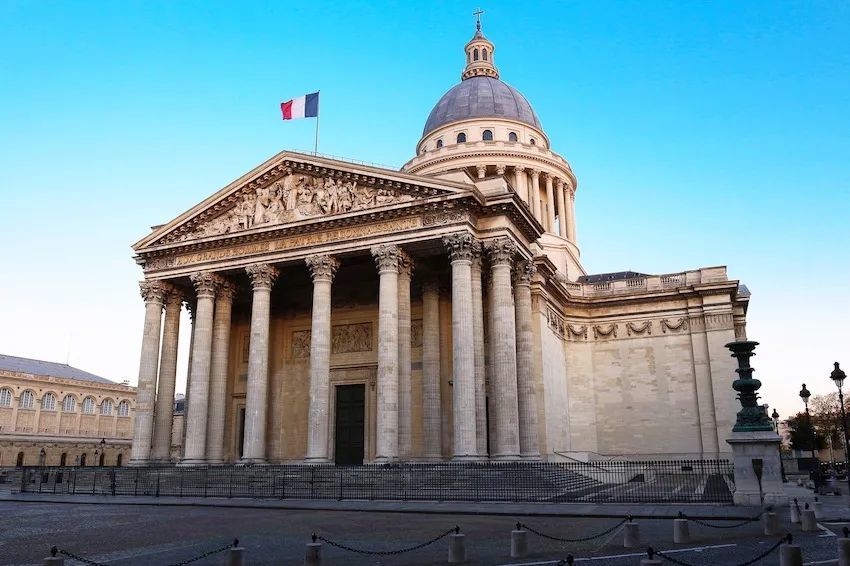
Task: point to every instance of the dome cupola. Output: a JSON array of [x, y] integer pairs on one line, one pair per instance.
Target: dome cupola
[[479, 55]]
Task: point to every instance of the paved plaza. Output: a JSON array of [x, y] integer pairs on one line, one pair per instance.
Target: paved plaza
[[165, 534]]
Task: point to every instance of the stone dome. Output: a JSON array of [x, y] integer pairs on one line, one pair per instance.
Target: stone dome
[[481, 97]]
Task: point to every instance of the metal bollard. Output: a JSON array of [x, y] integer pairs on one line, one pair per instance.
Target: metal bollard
[[844, 548], [771, 524], [54, 560], [313, 555], [818, 507], [519, 542], [681, 532], [236, 556], [789, 554], [650, 559], [631, 534], [795, 511], [809, 522], [457, 547]]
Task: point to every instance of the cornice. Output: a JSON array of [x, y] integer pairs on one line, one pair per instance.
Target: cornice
[[565, 167], [65, 381]]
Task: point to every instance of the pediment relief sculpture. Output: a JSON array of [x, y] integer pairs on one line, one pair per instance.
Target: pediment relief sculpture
[[295, 197]]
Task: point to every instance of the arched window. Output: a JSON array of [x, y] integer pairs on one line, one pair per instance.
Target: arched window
[[461, 138], [83, 459], [106, 407], [512, 137], [123, 409], [468, 57], [88, 405], [484, 53], [439, 144], [5, 397], [475, 54], [487, 135], [20, 461], [63, 459], [26, 400], [119, 460], [69, 404], [532, 141], [48, 402]]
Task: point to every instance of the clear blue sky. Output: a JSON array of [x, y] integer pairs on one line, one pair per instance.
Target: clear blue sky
[[702, 133]]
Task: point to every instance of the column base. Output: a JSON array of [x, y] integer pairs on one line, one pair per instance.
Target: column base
[[506, 457], [317, 460], [140, 463], [531, 457], [385, 460], [192, 462], [251, 462], [466, 458], [215, 462]]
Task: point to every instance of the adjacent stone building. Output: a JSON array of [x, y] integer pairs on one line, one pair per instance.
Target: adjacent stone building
[[57, 415], [348, 313]]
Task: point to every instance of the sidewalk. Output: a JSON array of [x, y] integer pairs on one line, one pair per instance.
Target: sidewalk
[[836, 508], [615, 510]]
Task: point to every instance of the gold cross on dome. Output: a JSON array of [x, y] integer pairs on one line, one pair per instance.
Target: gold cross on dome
[[477, 13]]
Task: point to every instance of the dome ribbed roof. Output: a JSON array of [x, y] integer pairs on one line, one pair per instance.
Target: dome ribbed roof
[[481, 97]]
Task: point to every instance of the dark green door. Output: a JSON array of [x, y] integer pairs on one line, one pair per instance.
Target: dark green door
[[350, 411]]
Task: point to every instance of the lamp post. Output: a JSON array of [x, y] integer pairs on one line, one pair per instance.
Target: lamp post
[[838, 376], [804, 395], [775, 417]]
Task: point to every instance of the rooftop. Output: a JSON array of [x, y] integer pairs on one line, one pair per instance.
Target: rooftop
[[52, 369], [615, 276]]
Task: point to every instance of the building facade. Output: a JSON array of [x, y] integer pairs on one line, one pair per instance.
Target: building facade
[[348, 313], [57, 415]]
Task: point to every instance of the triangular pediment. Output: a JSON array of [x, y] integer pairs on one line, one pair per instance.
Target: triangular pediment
[[291, 188]]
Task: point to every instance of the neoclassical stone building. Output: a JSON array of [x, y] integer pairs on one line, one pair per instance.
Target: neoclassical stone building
[[56, 415], [348, 313]]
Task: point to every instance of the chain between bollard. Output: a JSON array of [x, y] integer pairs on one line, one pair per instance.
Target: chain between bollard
[[582, 539], [54, 550], [75, 557], [746, 521], [652, 552], [568, 561], [453, 530]]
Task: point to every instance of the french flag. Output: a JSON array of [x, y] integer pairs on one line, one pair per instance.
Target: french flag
[[306, 106]]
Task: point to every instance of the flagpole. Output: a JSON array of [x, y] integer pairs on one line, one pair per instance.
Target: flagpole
[[316, 142]]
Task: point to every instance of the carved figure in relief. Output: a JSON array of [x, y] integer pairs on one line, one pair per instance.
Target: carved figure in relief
[[351, 338]]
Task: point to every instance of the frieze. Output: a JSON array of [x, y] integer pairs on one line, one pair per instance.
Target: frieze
[[635, 329], [577, 331], [345, 339], [440, 218], [600, 331], [292, 198], [282, 244], [556, 323], [668, 326], [718, 321]]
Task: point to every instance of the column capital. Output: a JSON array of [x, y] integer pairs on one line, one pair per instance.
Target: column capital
[[519, 168], [535, 173], [262, 275], [322, 266], [205, 283], [225, 292], [550, 178], [500, 169], [386, 257], [461, 246], [174, 299], [559, 182], [482, 171], [405, 264], [154, 291], [501, 251], [524, 271]]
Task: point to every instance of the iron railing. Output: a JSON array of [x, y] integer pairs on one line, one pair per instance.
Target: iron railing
[[663, 481]]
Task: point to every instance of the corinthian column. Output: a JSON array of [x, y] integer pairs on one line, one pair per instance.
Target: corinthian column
[[521, 183], [503, 332], [386, 260], [534, 195], [572, 211], [550, 205], [153, 292], [562, 208], [322, 269], [164, 414], [478, 349], [218, 372], [526, 397], [256, 399], [461, 247], [431, 421], [405, 270], [196, 412]]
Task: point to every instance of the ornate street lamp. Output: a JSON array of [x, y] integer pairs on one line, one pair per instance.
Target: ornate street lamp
[[838, 376], [804, 395]]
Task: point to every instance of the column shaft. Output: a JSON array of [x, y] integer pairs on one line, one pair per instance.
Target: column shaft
[[562, 209], [163, 417], [461, 248], [218, 374], [404, 411], [386, 259], [550, 205], [535, 195], [504, 360], [256, 398], [322, 269], [196, 412], [526, 395], [521, 183], [571, 206], [153, 293], [478, 348], [431, 419]]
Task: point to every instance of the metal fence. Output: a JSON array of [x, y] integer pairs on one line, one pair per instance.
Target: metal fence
[[664, 481]]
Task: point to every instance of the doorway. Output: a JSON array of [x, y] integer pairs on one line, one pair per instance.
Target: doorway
[[350, 419]]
